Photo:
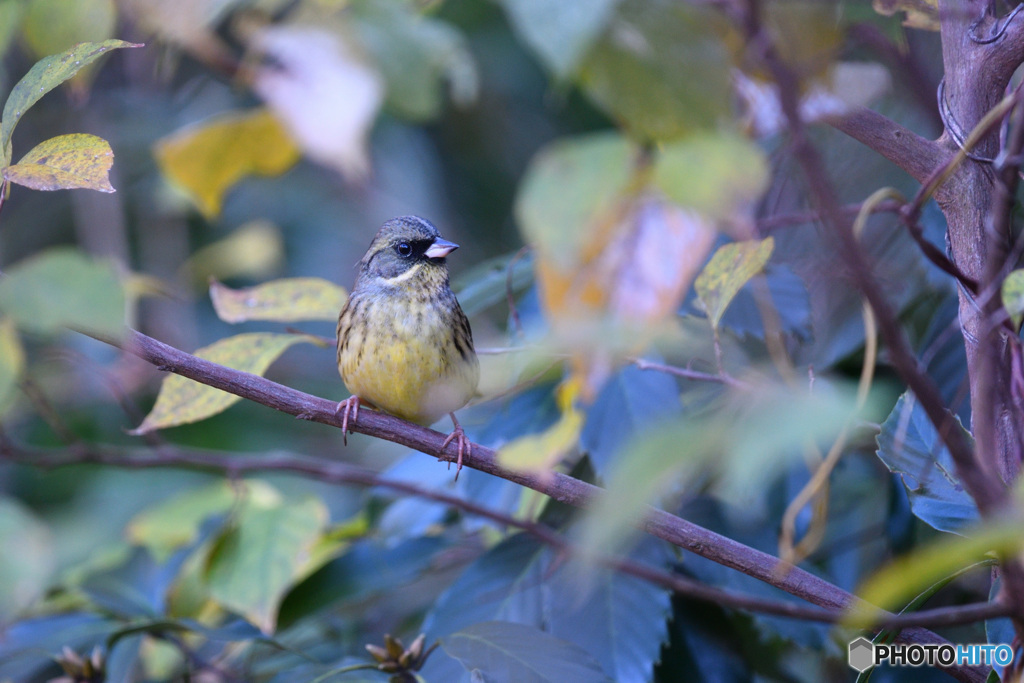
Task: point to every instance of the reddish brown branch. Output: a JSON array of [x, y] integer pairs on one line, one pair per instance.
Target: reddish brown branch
[[342, 473], [558, 486], [908, 150]]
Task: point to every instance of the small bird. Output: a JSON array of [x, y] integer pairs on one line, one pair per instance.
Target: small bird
[[404, 344]]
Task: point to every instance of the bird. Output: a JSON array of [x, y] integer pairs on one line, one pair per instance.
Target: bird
[[404, 344]]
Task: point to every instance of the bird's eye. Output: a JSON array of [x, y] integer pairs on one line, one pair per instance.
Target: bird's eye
[[404, 249]]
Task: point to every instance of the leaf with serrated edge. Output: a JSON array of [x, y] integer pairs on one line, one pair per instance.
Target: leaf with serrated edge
[[286, 300], [1013, 296], [183, 401], [910, 446], [65, 162], [506, 652], [729, 269], [46, 75], [258, 559]]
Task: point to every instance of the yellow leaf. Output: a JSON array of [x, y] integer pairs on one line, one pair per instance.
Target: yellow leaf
[[287, 300], [1013, 296], [183, 401], [922, 14], [729, 269], [892, 586], [208, 159], [65, 162], [541, 452]]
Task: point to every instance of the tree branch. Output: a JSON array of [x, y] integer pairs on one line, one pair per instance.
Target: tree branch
[[988, 492], [334, 472], [908, 150], [556, 485]]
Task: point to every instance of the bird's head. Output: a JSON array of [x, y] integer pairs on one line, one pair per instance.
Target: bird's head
[[406, 248]]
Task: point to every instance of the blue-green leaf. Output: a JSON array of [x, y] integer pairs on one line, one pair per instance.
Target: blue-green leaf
[[619, 620], [631, 400], [910, 446], [506, 652]]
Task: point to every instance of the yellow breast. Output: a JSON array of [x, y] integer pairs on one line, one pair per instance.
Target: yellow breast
[[403, 357]]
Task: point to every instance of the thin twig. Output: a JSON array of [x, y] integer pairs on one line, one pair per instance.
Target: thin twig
[[49, 414], [687, 373]]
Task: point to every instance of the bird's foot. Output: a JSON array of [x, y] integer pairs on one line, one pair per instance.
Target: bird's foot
[[462, 445], [348, 408]]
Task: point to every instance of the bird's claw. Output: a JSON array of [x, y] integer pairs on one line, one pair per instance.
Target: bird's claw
[[348, 407], [463, 446]]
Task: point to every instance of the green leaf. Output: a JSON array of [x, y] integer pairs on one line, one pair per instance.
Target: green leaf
[[12, 362], [506, 652], [253, 250], [175, 523], [732, 266], [65, 162], [11, 13], [419, 56], [559, 32], [46, 75], [208, 159], [487, 283], [62, 287], [53, 25], [661, 69], [24, 574], [713, 173], [183, 401], [569, 187], [257, 560], [1013, 296], [287, 300], [910, 446]]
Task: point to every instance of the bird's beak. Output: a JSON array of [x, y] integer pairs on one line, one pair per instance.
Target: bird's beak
[[440, 248]]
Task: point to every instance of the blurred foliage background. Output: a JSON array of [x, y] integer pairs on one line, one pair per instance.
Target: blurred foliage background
[[624, 141]]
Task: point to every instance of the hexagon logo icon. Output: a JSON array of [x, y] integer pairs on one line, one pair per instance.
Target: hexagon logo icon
[[862, 654]]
